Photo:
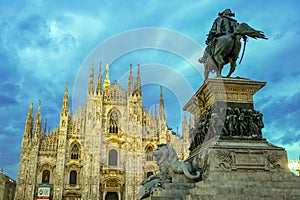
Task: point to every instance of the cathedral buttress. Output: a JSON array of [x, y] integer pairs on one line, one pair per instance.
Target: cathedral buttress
[[32, 156], [62, 144], [23, 174]]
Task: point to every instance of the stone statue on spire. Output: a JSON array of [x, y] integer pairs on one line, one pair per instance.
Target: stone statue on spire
[[106, 81]]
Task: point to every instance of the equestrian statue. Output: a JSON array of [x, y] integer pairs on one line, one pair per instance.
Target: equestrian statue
[[224, 45]]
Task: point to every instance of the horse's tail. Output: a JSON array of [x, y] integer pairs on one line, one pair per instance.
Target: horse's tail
[[245, 29]]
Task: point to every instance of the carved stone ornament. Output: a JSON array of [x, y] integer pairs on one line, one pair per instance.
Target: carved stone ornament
[[225, 159], [273, 159]]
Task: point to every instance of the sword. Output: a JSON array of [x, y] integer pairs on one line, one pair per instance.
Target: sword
[[245, 41]]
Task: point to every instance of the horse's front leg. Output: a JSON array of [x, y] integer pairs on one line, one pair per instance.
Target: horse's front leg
[[219, 70]]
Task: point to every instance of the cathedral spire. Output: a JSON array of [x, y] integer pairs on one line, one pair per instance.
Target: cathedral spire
[[91, 83], [138, 80], [130, 81], [106, 81], [45, 129], [65, 111], [99, 84], [29, 121], [65, 105], [161, 106], [38, 121]]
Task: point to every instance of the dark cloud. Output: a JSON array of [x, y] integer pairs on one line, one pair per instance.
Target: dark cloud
[[32, 30], [10, 88], [8, 64], [7, 101], [284, 112], [290, 137], [281, 136]]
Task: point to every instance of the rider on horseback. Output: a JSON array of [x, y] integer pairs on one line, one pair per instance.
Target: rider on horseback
[[223, 43], [223, 25]]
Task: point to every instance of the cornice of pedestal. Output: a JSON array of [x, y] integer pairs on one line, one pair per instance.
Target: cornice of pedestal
[[223, 90]]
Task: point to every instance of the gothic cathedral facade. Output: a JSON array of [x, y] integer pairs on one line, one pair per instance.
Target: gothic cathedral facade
[[101, 151]]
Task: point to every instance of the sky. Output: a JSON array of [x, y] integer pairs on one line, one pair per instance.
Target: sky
[[45, 43]]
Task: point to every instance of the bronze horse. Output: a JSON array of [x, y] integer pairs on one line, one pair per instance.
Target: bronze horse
[[226, 50]]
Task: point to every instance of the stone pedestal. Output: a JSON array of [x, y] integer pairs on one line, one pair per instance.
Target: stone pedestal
[[224, 107], [240, 163], [237, 162], [243, 169]]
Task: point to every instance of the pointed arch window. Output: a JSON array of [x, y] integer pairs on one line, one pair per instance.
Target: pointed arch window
[[75, 151], [113, 122], [46, 176], [149, 152], [73, 178], [113, 158]]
